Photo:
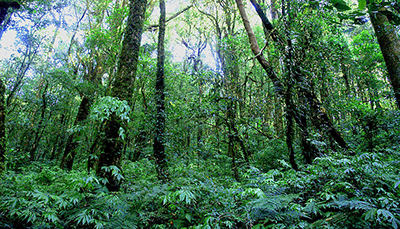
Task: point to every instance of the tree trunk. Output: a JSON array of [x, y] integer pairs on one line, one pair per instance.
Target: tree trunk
[[278, 87], [231, 139], [72, 144], [274, 11], [159, 142], [2, 126], [318, 112], [278, 113], [112, 144], [4, 17], [289, 128], [267, 25], [390, 46], [38, 133]]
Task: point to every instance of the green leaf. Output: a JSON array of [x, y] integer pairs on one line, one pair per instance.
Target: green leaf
[[362, 4], [387, 214], [395, 223], [188, 217], [393, 18], [370, 214], [397, 184], [340, 5]]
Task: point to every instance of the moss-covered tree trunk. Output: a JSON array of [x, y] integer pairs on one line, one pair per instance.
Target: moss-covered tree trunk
[[159, 142], [39, 131], [390, 46], [2, 126], [72, 144], [289, 127], [318, 112], [112, 144], [94, 73]]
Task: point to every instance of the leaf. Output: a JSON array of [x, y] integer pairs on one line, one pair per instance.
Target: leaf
[[393, 18], [188, 217], [385, 213], [395, 223], [340, 5], [187, 196], [370, 214], [165, 200], [397, 184], [362, 4]]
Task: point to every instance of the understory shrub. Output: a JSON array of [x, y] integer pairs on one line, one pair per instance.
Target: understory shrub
[[336, 191]]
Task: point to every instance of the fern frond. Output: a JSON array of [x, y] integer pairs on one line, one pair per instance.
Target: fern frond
[[351, 204]]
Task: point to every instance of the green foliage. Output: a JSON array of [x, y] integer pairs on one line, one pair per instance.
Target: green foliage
[[336, 191], [43, 196], [268, 158], [340, 5], [108, 105], [343, 67]]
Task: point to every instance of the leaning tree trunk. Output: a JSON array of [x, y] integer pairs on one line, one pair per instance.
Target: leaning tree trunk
[[72, 144], [112, 144], [2, 126], [318, 112], [159, 142], [390, 46]]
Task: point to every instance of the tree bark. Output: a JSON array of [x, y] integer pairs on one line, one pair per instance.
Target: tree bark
[[153, 27], [112, 144], [270, 28], [390, 46], [3, 140], [72, 144], [226, 53], [231, 139], [318, 112], [289, 128], [278, 112], [159, 142], [257, 52], [38, 133]]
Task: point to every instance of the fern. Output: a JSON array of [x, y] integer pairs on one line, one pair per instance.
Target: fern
[[351, 205]]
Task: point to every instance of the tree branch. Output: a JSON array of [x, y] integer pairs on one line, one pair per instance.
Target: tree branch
[[153, 27]]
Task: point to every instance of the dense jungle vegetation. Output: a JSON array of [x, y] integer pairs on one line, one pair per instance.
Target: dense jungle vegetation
[[199, 114]]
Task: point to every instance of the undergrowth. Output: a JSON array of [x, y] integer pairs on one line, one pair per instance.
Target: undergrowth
[[336, 191]]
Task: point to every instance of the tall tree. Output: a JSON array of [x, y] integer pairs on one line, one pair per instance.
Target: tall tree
[[4, 11], [224, 21], [159, 142], [4, 6], [318, 113], [112, 145], [72, 144], [2, 126], [389, 43]]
